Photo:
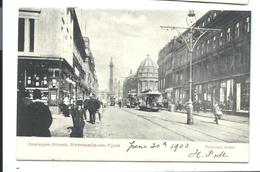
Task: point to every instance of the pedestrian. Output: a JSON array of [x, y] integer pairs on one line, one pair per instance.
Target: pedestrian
[[196, 106], [23, 101], [85, 106], [120, 103], [93, 106], [39, 117], [66, 103], [78, 117], [217, 112], [100, 108]]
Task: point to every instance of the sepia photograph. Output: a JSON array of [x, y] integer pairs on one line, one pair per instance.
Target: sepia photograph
[[152, 79]]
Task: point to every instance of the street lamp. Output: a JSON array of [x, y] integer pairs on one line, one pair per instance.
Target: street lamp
[[190, 41], [190, 18]]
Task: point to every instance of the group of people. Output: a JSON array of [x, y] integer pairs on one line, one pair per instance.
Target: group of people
[[33, 116], [79, 114]]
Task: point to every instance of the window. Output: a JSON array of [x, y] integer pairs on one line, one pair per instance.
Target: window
[[29, 80], [198, 50], [56, 73], [228, 34], [202, 48], [173, 62], [214, 15], [243, 56], [31, 46], [37, 79], [214, 42], [237, 30], [209, 19], [203, 24], [247, 25], [221, 39], [21, 34], [30, 31], [208, 45], [181, 76]]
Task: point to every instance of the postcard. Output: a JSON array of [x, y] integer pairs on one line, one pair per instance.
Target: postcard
[[133, 85]]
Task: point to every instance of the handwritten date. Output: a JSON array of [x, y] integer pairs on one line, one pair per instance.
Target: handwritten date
[[162, 145]]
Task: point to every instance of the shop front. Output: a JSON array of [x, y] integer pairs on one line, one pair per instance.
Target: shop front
[[232, 94], [52, 76]]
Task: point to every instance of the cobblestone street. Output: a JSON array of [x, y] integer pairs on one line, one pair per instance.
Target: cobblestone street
[[128, 123]]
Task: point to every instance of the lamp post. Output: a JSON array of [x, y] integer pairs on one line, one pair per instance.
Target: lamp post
[[190, 40], [189, 21]]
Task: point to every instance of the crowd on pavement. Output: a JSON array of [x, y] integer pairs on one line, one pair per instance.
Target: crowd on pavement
[[34, 118]]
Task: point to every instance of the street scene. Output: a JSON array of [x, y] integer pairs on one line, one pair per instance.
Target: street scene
[[129, 74], [128, 123]]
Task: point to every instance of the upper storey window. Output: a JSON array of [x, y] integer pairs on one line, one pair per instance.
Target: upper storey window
[[228, 36], [209, 19], [203, 24], [26, 34], [31, 35], [237, 30], [221, 39], [214, 15], [247, 25], [21, 23]]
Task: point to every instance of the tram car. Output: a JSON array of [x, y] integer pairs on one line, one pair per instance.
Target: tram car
[[131, 101], [150, 101], [112, 101]]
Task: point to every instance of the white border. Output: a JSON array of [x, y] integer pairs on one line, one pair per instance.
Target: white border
[[10, 14], [219, 1]]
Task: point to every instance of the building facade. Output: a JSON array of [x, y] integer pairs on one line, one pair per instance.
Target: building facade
[[220, 64], [130, 85], [53, 56], [146, 78]]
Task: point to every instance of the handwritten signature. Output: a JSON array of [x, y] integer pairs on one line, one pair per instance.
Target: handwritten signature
[[208, 154]]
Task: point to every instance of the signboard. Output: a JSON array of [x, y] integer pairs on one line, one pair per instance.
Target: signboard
[[53, 97]]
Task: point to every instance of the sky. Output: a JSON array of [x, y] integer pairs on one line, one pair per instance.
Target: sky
[[127, 36]]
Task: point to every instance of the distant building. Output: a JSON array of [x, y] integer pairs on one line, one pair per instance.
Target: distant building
[[147, 75], [53, 56], [146, 78], [130, 85], [221, 63]]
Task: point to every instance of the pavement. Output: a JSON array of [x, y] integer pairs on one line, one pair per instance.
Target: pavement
[[60, 125], [226, 117]]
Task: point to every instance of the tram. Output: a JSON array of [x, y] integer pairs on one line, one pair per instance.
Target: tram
[[112, 101], [150, 101], [131, 101]]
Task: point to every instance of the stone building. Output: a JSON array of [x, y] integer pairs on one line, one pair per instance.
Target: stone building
[[220, 64], [130, 85], [146, 78], [53, 55]]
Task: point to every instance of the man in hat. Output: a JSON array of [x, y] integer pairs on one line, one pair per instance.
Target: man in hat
[[93, 106], [39, 115], [23, 101], [78, 116]]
